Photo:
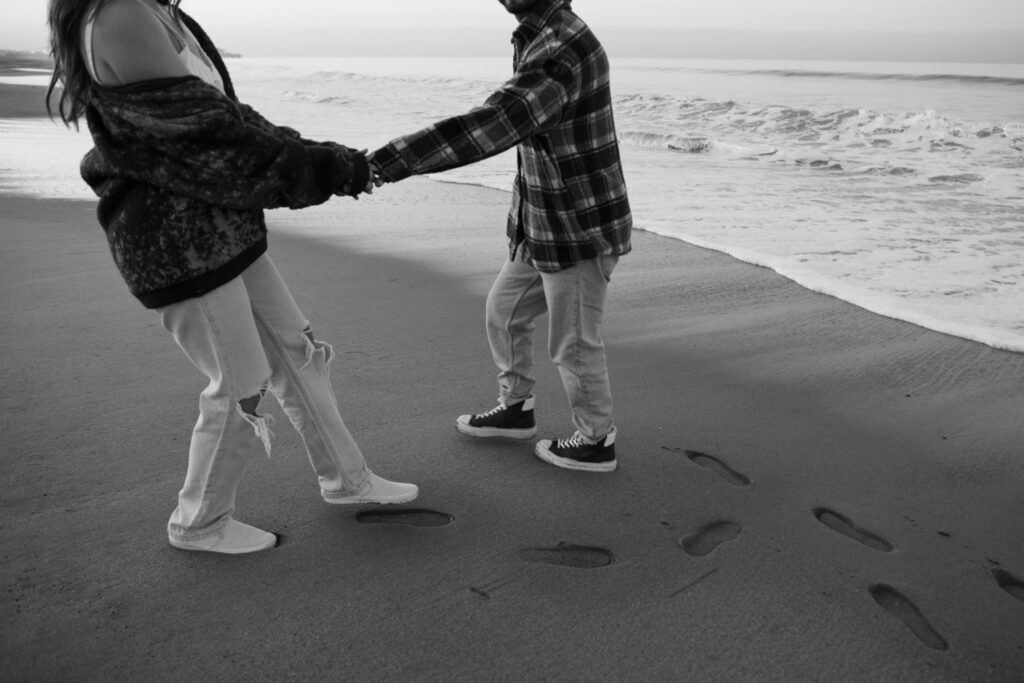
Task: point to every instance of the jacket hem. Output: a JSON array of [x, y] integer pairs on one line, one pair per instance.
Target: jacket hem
[[205, 283]]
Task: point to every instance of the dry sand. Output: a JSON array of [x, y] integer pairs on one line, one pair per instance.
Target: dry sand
[[806, 491]]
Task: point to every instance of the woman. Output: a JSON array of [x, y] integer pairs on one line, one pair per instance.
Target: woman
[[183, 172]]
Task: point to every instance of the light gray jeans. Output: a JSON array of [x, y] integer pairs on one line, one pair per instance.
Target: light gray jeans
[[574, 301], [248, 336]]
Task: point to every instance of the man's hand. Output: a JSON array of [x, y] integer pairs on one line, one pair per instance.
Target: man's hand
[[376, 178]]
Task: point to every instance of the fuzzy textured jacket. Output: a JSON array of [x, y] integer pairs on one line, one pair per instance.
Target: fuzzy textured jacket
[[184, 172]]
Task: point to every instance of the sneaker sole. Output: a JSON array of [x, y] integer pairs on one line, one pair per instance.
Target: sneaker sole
[[182, 545], [565, 463], [495, 432], [373, 501]]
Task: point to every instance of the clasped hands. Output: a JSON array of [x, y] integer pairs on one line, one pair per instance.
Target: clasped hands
[[375, 180]]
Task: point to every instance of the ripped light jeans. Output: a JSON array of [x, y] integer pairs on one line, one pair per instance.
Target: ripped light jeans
[[574, 301], [248, 336]]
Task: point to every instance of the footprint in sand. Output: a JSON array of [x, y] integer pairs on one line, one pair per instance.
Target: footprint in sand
[[405, 517], [1009, 583], [898, 605], [716, 465], [561, 555], [842, 524], [569, 555], [709, 537]]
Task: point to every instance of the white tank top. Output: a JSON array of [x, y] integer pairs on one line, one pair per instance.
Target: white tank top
[[191, 54]]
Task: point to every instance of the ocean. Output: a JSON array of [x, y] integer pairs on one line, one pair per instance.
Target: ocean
[[896, 187]]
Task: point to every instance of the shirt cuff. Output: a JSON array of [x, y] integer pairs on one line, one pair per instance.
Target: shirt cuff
[[392, 166]]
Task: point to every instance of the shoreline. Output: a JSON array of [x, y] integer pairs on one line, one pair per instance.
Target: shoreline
[[769, 436]]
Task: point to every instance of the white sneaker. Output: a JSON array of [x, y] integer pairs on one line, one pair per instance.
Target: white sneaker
[[377, 490], [234, 538]]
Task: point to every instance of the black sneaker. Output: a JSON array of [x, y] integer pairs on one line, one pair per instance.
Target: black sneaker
[[510, 421], [575, 453]]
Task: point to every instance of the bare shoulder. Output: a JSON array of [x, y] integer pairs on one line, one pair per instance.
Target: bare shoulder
[[131, 42], [120, 19]]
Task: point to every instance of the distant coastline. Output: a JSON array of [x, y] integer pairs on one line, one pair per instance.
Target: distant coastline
[[41, 59], [13, 60], [996, 47], [1003, 47]]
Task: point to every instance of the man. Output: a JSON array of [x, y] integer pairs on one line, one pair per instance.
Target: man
[[568, 225]]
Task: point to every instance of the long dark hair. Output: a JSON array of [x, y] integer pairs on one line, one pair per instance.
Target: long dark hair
[[65, 18]]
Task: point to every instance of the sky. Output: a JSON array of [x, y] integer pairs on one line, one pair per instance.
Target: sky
[[299, 27]]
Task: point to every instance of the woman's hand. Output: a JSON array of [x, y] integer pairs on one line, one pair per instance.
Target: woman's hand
[[355, 187]]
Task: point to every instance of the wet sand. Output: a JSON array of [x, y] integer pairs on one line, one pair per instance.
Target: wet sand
[[17, 101]]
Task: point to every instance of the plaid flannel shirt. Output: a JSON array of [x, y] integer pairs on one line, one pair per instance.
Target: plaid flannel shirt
[[569, 200]]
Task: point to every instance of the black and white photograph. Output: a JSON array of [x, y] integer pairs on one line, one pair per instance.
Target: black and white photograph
[[512, 340]]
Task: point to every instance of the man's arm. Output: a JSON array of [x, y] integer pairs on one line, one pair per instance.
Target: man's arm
[[529, 103]]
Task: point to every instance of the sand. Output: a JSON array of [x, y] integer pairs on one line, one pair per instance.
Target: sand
[[806, 491]]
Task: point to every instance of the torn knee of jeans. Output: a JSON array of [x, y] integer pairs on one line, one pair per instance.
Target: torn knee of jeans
[[249, 404], [316, 349], [261, 424]]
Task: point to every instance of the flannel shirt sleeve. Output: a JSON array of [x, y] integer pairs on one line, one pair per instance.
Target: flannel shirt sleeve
[[533, 100]]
